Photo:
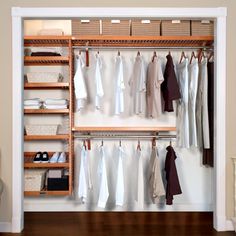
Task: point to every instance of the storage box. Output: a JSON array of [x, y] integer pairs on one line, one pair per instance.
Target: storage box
[[85, 27], [58, 184], [34, 180], [175, 27], [41, 129], [116, 27], [44, 77], [146, 27], [202, 28]]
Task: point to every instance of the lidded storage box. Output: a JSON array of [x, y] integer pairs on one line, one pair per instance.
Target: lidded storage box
[[43, 77], [85, 27], [202, 27], [115, 27], [41, 129], [175, 27], [146, 27], [34, 180]]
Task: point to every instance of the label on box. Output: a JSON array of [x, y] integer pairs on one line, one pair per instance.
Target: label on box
[[115, 21], [176, 21], [145, 21], [85, 21], [205, 22]]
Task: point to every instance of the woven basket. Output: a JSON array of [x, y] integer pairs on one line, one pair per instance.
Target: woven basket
[[85, 27], [146, 27], [202, 28], [116, 27], [34, 180], [41, 129], [175, 28], [41, 77]]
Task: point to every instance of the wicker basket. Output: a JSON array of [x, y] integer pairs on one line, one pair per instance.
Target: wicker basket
[[116, 27], [85, 27], [41, 77], [41, 129], [175, 28], [202, 28], [146, 27], [34, 180]]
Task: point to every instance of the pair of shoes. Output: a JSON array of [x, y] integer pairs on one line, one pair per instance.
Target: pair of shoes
[[41, 157], [58, 157]]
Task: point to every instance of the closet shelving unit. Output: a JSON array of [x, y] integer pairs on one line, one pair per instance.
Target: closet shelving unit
[[91, 42]]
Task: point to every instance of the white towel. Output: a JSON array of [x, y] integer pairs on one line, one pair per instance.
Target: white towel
[[98, 81], [46, 49], [32, 107], [32, 102], [79, 83], [51, 101], [120, 180], [103, 192], [55, 106]]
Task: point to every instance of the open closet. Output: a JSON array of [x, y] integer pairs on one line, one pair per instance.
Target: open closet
[[82, 97]]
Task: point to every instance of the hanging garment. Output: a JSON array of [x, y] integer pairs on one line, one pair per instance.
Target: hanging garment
[[98, 81], [79, 83], [120, 180], [202, 106], [170, 87], [173, 186], [84, 176], [208, 154], [154, 81], [155, 180], [182, 118], [193, 86], [103, 192], [120, 86], [138, 85], [140, 181]]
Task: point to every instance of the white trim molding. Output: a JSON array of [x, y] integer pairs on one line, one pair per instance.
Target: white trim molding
[[218, 14]]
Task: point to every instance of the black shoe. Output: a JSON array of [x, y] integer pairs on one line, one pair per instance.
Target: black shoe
[[45, 158], [38, 157]]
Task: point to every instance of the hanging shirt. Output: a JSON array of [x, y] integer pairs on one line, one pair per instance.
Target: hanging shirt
[[202, 106], [120, 180], [120, 86], [170, 87], [103, 192], [140, 181], [79, 83], [138, 85], [98, 81], [193, 85], [183, 118], [173, 186], [154, 81], [84, 176], [155, 180]]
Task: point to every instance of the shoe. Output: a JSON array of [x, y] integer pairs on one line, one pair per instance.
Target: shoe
[[62, 158], [54, 157], [45, 158], [37, 157]]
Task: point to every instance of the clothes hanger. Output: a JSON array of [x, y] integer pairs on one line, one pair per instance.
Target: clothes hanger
[[84, 145], [138, 146], [211, 55], [120, 143], [182, 56], [138, 53], [170, 142], [118, 53], [102, 143], [201, 55], [192, 56], [169, 53], [153, 142], [154, 55]]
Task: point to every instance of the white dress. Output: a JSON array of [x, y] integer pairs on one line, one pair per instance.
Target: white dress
[[193, 87], [202, 106], [79, 83], [120, 86], [138, 86], [182, 117]]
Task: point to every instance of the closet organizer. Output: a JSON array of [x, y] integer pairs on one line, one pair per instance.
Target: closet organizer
[[87, 42]]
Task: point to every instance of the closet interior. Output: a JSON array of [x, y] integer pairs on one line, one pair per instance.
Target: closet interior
[[58, 118]]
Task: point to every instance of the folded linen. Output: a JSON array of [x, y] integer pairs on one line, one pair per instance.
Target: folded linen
[[51, 101], [45, 49], [55, 106], [42, 54], [51, 32], [32, 107], [33, 101]]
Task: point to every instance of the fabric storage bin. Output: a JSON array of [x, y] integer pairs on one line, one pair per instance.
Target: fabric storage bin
[[116, 27], [58, 184], [34, 180], [175, 27], [85, 27], [145, 27], [41, 129], [41, 77], [202, 28]]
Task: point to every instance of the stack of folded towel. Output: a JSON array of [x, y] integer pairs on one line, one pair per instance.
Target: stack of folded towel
[[55, 104], [45, 52], [34, 103]]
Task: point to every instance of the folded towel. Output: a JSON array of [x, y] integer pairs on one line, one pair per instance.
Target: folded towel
[[51, 32], [43, 54], [55, 106], [34, 101], [46, 49], [32, 107], [51, 101]]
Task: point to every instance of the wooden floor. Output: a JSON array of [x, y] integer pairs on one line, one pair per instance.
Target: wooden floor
[[119, 223]]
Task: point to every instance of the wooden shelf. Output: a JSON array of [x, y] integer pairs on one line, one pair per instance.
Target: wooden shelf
[[123, 129], [45, 192], [45, 60], [46, 111], [40, 86], [46, 137]]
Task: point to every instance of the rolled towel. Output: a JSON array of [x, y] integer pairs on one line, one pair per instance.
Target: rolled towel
[[51, 101], [32, 102]]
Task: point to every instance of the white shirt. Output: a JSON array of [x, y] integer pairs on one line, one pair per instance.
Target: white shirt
[[103, 192], [98, 81]]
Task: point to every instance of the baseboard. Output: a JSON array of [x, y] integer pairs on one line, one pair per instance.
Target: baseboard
[[5, 227], [229, 225]]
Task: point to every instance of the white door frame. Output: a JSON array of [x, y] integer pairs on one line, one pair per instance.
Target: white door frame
[[218, 14]]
